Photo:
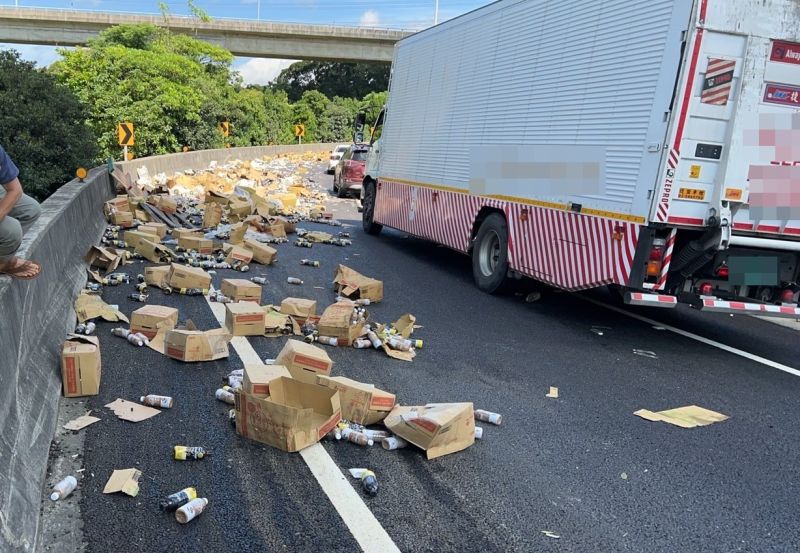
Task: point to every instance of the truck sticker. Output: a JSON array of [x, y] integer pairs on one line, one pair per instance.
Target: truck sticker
[[718, 81], [692, 194], [785, 52], [782, 94]]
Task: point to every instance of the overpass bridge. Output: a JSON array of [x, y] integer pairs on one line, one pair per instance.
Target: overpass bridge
[[258, 39]]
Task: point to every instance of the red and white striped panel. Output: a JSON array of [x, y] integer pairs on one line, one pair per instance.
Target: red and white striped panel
[[722, 306], [718, 81], [667, 259], [568, 250], [650, 300]]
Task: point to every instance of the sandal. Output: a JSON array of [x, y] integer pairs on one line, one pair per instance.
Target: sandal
[[23, 266]]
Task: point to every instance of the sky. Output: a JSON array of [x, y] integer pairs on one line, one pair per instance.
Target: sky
[[393, 14]]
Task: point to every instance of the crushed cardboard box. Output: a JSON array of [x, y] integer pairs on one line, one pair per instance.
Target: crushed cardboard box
[[157, 276], [690, 416], [90, 306], [438, 428], [361, 403], [262, 253], [125, 481], [135, 237], [336, 323], [304, 361], [159, 229], [130, 411], [237, 254], [293, 417], [212, 215], [239, 289], [352, 284], [81, 366], [179, 233], [149, 319], [237, 233], [275, 322], [299, 308], [155, 253], [103, 258], [257, 377], [190, 345], [196, 243], [182, 277], [81, 422], [245, 318]]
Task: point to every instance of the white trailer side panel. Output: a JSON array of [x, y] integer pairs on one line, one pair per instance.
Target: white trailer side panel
[[539, 100]]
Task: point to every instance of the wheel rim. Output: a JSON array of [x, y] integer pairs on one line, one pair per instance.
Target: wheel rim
[[489, 253]]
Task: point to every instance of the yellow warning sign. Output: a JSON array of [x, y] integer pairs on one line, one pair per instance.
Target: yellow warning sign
[[299, 130], [694, 172], [692, 194], [125, 134], [734, 194], [225, 127]]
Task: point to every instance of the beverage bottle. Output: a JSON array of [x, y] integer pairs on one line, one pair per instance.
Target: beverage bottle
[[373, 338], [400, 344], [138, 297], [186, 453], [177, 499], [165, 402], [309, 262], [294, 280], [488, 416], [356, 437], [90, 328], [328, 341], [370, 483], [226, 396], [361, 343], [64, 488], [191, 510], [259, 280], [478, 432], [393, 443]]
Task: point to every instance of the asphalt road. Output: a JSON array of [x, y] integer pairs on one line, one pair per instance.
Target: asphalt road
[[581, 466]]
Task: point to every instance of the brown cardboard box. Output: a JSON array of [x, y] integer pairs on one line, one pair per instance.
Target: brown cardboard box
[[304, 361], [103, 258], [179, 233], [217, 198], [157, 276], [237, 233], [133, 238], [198, 243], [288, 227], [122, 219], [159, 229], [361, 403], [257, 377], [239, 289], [335, 322], [287, 199], [150, 318], [240, 208], [276, 230], [352, 284], [81, 366], [438, 428], [299, 308], [294, 416], [245, 318], [166, 204], [182, 276], [212, 215], [155, 253], [191, 345], [237, 254], [262, 253]]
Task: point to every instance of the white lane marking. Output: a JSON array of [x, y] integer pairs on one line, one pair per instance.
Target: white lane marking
[[729, 349], [366, 529]]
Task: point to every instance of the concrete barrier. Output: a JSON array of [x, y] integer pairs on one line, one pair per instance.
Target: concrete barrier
[[36, 316]]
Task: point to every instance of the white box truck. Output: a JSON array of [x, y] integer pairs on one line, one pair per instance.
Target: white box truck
[[653, 145]]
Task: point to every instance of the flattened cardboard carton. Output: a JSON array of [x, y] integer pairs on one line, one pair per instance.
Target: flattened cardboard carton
[[81, 366], [299, 308], [275, 322], [191, 345], [159, 229], [157, 276], [352, 284], [245, 318], [184, 277], [179, 233], [335, 322], [103, 258], [438, 428], [150, 318], [262, 253], [237, 254], [257, 377], [293, 417], [304, 361], [212, 215], [135, 237], [239, 289], [361, 403], [91, 306], [198, 243]]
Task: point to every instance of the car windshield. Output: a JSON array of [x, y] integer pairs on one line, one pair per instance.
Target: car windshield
[[341, 149], [359, 155]]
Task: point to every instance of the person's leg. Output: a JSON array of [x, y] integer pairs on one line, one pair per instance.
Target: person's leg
[[10, 238], [26, 211], [11, 231]]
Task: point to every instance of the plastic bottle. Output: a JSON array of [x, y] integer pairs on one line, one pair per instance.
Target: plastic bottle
[[361, 343], [164, 402], [376, 435], [64, 488], [178, 499], [309, 262], [90, 328], [138, 297], [478, 432], [243, 268], [140, 278], [120, 332], [145, 340], [226, 396], [135, 340], [373, 338], [400, 344], [488, 416], [356, 437], [328, 341], [370, 483], [393, 443], [141, 287], [192, 509], [80, 329], [303, 244], [259, 280], [186, 453]]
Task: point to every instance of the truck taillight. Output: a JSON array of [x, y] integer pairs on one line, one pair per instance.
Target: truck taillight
[[722, 271], [656, 258], [706, 289], [787, 296]]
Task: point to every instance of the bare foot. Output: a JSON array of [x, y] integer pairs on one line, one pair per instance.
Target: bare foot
[[21, 268]]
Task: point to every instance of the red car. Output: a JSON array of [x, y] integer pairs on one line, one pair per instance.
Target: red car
[[349, 173]]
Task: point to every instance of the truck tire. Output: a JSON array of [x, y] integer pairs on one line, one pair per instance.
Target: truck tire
[[341, 192], [370, 226], [490, 255]]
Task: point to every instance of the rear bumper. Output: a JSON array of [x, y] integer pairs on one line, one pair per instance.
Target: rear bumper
[[650, 300], [723, 306]]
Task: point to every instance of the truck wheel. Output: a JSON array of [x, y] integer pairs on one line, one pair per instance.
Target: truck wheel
[[490, 255], [370, 226], [341, 192]]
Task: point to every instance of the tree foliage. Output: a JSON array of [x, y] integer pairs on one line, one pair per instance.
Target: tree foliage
[[42, 127], [353, 80]]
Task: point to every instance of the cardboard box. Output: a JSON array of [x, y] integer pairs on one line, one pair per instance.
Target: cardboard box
[[258, 376], [288, 227], [184, 277], [212, 215], [352, 284], [122, 219], [157, 276], [237, 233], [150, 318], [299, 308], [245, 318], [120, 203], [262, 253], [294, 416], [179, 233], [103, 258], [166, 204], [237, 254], [81, 366], [438, 428], [217, 198], [155, 253], [133, 238], [159, 229], [239, 289], [191, 345], [361, 403], [197, 243], [304, 361], [240, 208], [275, 229], [335, 322]]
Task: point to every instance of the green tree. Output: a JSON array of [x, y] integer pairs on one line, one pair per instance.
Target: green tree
[[354, 80], [304, 115], [279, 117], [42, 127]]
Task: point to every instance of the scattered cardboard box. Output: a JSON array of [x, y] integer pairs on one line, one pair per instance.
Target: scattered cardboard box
[[90, 306], [352, 284], [135, 237], [81, 422], [197, 243], [240, 208], [276, 230], [217, 198], [179, 233], [261, 252], [237, 233], [294, 416], [123, 219], [212, 215], [157, 276], [120, 203], [130, 411], [237, 254], [304, 361], [155, 253], [184, 277], [299, 308], [361, 403], [239, 289], [288, 226], [274, 322], [438, 428], [159, 229], [336, 323], [257, 377], [81, 366], [166, 204], [150, 318], [190, 345], [103, 258], [245, 318], [125, 481], [689, 416]]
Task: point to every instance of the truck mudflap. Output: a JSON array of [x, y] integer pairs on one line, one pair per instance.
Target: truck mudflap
[[723, 306], [650, 300]]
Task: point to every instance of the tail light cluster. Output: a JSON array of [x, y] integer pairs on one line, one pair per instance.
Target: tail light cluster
[[655, 260]]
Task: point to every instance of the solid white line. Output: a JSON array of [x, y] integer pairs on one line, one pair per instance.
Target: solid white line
[[365, 528], [729, 349]]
